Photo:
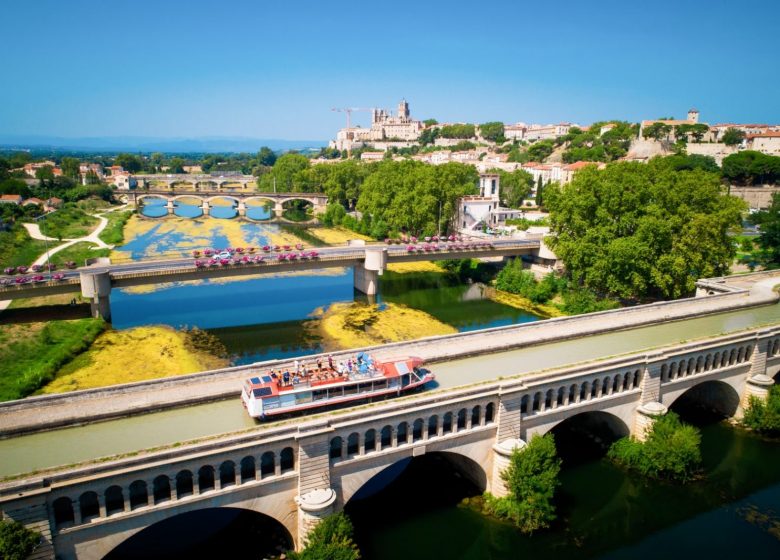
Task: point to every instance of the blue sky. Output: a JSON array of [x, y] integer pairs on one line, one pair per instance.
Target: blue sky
[[267, 69]]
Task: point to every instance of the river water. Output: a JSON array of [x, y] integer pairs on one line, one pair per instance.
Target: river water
[[604, 512]]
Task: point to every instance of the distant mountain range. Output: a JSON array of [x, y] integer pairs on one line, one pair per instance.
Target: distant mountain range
[[150, 144]]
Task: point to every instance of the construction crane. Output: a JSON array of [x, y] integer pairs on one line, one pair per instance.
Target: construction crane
[[348, 111]]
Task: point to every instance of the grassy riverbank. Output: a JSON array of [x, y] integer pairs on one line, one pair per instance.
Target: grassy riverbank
[[69, 222], [134, 355], [31, 353], [113, 234], [353, 325], [337, 235], [18, 248]]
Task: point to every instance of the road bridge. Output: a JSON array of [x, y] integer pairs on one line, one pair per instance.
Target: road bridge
[[239, 199], [298, 473], [368, 262], [196, 182]]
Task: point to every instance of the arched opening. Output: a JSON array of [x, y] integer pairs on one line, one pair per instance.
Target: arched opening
[[490, 413], [206, 478], [335, 447], [587, 436], [259, 209], [353, 444], [248, 469], [208, 533], [462, 419], [184, 484], [153, 206], [417, 430], [447, 423], [161, 489], [707, 402], [89, 506], [139, 496], [287, 459], [63, 512], [370, 442], [223, 207], [267, 464], [297, 210], [227, 474], [433, 426], [386, 437], [188, 207], [427, 483], [403, 433], [115, 502]]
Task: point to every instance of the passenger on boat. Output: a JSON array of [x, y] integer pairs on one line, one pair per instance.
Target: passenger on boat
[[330, 361], [286, 377]]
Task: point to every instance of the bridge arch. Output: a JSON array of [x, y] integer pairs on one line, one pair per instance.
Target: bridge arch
[[210, 532], [223, 197], [714, 395], [374, 479], [587, 434]]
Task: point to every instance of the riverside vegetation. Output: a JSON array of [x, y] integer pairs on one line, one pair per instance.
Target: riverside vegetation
[[16, 541], [331, 539], [672, 451], [531, 479], [764, 417]]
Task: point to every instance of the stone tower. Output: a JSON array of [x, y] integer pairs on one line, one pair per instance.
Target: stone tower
[[693, 115], [403, 110]]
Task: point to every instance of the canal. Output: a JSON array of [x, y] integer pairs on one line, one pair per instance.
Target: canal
[[70, 445]]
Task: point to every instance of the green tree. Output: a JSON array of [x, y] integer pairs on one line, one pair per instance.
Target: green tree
[[540, 192], [750, 167], [671, 450], [129, 162], [176, 165], [45, 173], [331, 539], [16, 541], [266, 156], [531, 478], [657, 131], [287, 175], [763, 416], [70, 167], [769, 239], [541, 150], [492, 131], [430, 122], [514, 187], [464, 131], [733, 136], [636, 230]]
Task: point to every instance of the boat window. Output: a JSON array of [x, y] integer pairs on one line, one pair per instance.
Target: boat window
[[271, 403], [304, 397], [379, 385], [319, 394], [335, 391], [364, 387], [350, 389], [405, 380]]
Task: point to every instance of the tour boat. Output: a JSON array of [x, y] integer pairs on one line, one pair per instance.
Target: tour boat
[[285, 391]]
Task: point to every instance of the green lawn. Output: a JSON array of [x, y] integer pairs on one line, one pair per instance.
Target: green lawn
[[31, 353], [78, 253], [68, 223], [17, 247], [114, 234]]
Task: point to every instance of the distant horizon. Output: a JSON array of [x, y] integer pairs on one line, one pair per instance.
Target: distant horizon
[[164, 70]]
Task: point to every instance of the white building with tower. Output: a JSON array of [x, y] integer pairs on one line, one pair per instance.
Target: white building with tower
[[385, 127], [481, 211]]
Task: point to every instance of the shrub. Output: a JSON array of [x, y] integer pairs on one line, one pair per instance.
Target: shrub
[[670, 452], [763, 416], [531, 479], [331, 539], [16, 541]]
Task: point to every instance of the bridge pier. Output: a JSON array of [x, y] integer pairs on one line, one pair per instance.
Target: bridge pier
[[241, 208], [278, 209], [96, 286], [170, 206], [366, 277], [502, 456], [646, 415], [313, 507], [205, 207]]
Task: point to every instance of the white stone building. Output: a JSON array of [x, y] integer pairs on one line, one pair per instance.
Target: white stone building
[[384, 127]]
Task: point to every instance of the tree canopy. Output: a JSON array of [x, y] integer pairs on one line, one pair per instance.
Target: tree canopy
[[331, 539], [657, 131], [769, 239], [493, 131], [287, 174], [636, 230], [129, 162], [416, 197], [541, 150], [514, 186], [464, 131], [593, 146], [749, 167], [531, 478], [733, 136], [16, 541]]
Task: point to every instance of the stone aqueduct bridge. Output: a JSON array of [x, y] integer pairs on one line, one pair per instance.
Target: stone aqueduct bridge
[[197, 182], [300, 472], [368, 262], [318, 201]]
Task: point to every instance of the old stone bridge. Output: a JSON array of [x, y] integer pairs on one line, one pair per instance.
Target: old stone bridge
[[300, 472], [240, 200], [195, 182]]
